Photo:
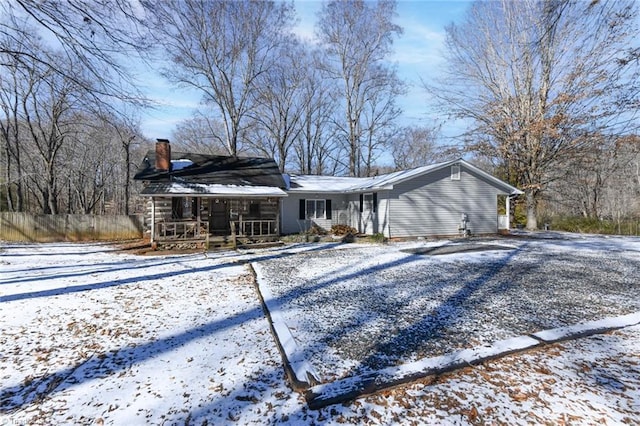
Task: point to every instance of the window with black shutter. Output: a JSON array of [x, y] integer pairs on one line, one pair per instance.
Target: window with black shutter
[[315, 209]]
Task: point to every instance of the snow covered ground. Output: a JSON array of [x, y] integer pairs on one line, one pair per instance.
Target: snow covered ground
[[89, 335], [355, 310]]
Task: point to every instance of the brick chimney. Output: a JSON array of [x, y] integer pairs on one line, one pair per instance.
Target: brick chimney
[[163, 155]]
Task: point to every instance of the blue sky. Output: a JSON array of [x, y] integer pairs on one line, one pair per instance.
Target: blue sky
[[418, 54]]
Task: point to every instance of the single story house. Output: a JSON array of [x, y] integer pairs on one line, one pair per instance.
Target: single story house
[[194, 196], [445, 199]]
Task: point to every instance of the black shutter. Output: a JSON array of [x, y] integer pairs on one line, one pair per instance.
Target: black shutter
[[361, 203], [328, 208], [302, 213], [375, 202]]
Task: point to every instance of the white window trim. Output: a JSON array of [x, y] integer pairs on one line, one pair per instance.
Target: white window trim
[[455, 172], [315, 210]]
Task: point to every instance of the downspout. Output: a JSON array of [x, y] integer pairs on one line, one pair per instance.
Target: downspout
[[388, 218]]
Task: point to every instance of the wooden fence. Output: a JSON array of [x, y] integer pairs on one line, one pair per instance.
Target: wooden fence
[[69, 227]]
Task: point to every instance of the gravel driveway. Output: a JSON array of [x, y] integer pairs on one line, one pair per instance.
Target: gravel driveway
[[357, 308]]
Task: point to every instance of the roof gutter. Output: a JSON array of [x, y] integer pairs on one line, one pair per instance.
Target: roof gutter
[[342, 191], [213, 195]]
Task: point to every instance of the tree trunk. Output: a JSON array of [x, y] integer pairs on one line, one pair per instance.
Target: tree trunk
[[353, 147], [127, 180], [531, 204]]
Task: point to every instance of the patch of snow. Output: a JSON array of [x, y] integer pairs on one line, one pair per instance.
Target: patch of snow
[[180, 164], [314, 183], [605, 324], [302, 369], [425, 367], [226, 190], [359, 309], [90, 335]]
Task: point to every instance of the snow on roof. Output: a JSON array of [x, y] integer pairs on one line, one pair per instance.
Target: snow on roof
[[180, 164], [312, 183], [189, 188], [332, 184]]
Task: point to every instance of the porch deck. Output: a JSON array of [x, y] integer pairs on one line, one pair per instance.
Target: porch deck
[[194, 230]]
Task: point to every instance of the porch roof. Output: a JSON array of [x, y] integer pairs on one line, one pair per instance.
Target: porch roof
[[176, 189]]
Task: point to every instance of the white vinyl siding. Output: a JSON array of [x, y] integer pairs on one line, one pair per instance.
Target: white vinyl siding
[[432, 205], [291, 222]]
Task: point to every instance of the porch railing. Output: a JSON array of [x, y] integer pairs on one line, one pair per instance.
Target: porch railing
[[193, 230], [256, 228], [182, 230]]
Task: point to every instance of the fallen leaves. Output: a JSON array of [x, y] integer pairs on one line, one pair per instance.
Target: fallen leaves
[[238, 366]]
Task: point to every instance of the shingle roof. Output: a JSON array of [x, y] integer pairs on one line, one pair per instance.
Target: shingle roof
[[213, 169]]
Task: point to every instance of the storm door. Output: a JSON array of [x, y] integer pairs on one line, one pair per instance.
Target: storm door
[[368, 207]]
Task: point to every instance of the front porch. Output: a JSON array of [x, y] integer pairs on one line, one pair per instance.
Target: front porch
[[212, 220]]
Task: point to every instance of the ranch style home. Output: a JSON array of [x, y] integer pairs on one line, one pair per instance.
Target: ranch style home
[[196, 197]]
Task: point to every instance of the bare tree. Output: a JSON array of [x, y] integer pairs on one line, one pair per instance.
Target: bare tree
[[601, 183], [222, 48], [62, 151], [280, 104], [197, 134], [126, 133], [85, 167], [47, 110], [414, 147], [317, 148], [379, 118], [358, 37], [97, 163], [100, 36], [537, 78], [10, 131]]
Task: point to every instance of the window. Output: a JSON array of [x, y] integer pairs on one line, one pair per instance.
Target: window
[[177, 208], [455, 172], [369, 202], [254, 210], [315, 209]]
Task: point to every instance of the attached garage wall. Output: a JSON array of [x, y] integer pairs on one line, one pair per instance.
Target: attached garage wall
[[433, 204]]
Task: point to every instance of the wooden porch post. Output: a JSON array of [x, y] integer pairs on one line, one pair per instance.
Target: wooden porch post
[[279, 217], [153, 220], [198, 210], [508, 211]]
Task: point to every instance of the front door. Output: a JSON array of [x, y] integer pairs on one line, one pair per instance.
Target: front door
[[219, 217], [369, 214]]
